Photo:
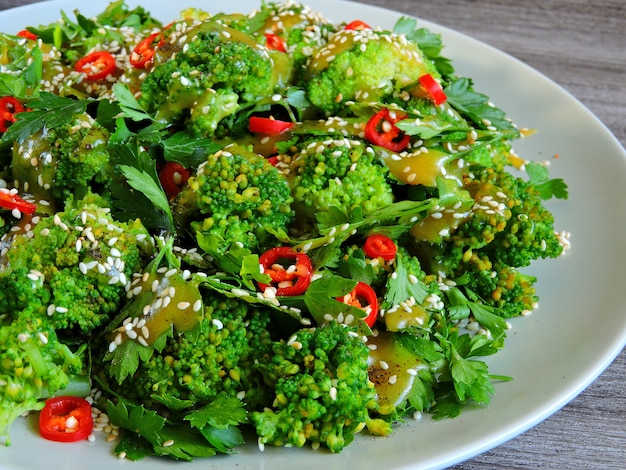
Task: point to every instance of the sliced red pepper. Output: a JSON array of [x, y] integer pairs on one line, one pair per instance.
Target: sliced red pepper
[[96, 65], [10, 200], [381, 130], [363, 297], [144, 51], [27, 34], [275, 43], [263, 125], [66, 419], [433, 89], [9, 107], [173, 177], [289, 281], [379, 245], [357, 25]]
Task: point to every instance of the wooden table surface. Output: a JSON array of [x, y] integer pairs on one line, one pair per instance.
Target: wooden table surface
[[581, 45]]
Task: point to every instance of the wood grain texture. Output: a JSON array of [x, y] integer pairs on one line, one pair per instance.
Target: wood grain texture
[[581, 45]]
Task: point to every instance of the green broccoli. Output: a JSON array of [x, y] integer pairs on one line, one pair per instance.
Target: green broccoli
[[55, 163], [207, 75], [343, 173], [71, 268], [506, 228], [295, 30], [237, 195], [34, 365], [201, 359], [363, 66], [322, 391]]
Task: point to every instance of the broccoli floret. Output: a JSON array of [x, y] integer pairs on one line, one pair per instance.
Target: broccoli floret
[[209, 73], [238, 195], [504, 288], [301, 30], [321, 386], [529, 234], [71, 268], [363, 66], [506, 228], [342, 173], [62, 161], [34, 365], [213, 357]]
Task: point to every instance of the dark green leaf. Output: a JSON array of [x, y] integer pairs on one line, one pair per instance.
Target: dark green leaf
[[49, 110], [133, 446], [187, 150], [220, 413], [142, 182], [546, 187], [144, 422], [223, 440], [187, 443], [476, 106], [129, 105]]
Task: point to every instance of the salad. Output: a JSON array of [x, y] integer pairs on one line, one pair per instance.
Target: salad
[[259, 225]]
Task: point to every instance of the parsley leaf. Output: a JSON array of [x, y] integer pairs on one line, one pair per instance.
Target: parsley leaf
[[476, 106], [127, 415], [145, 184], [129, 105], [220, 413], [546, 187], [48, 110], [187, 150], [429, 43], [144, 198], [400, 287]]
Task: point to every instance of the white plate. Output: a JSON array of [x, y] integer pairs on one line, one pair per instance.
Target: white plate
[[553, 355]]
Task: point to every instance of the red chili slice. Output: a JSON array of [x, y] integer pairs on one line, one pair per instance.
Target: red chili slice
[[379, 245], [363, 297], [66, 419], [26, 34], [357, 25], [10, 200], [96, 65], [144, 51], [433, 89], [263, 125], [9, 107], [291, 280], [381, 130], [173, 176], [275, 43]]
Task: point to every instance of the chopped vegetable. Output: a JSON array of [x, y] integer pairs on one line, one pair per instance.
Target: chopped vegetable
[[275, 42], [290, 271], [173, 177], [143, 52], [433, 89], [263, 125], [96, 65], [357, 25], [9, 107], [381, 130], [27, 34], [10, 200], [363, 297], [66, 419], [379, 245]]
